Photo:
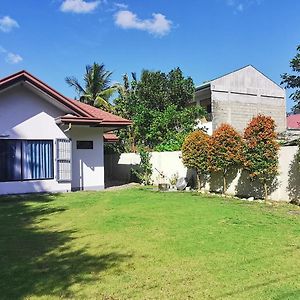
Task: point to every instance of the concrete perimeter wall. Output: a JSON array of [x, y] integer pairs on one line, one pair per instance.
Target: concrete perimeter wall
[[285, 188]]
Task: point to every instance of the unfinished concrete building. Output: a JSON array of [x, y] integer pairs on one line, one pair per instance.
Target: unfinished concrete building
[[238, 96]]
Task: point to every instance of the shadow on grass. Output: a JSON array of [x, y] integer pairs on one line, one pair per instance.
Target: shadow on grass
[[40, 261]]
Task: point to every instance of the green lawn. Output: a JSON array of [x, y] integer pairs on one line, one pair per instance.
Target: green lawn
[[141, 244]]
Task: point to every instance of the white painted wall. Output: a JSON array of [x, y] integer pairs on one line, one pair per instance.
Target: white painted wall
[[288, 180], [117, 168], [25, 115], [206, 126], [87, 164]]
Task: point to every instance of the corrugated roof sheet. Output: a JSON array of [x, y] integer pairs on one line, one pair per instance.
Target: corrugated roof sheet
[[293, 121]]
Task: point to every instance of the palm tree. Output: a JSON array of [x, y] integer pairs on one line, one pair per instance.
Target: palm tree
[[97, 88]]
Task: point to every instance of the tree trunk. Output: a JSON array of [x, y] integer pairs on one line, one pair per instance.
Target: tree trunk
[[224, 184], [199, 181], [133, 147], [265, 191]]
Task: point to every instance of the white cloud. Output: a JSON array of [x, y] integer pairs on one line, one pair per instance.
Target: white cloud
[[10, 57], [7, 24], [79, 6], [13, 58], [121, 5], [159, 25], [241, 5]]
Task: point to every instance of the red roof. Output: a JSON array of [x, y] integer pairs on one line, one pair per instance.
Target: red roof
[[98, 113], [110, 137], [83, 113], [293, 121]]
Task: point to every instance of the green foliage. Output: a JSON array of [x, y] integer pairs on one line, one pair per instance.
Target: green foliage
[[97, 89], [158, 106], [170, 127], [293, 80], [261, 150], [195, 153], [144, 171], [171, 144], [226, 150], [127, 105]]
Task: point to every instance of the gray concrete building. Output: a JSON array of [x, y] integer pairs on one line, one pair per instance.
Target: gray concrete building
[[238, 96]]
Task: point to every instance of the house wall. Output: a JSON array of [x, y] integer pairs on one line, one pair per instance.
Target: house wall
[[286, 187], [24, 115], [241, 95], [87, 164]]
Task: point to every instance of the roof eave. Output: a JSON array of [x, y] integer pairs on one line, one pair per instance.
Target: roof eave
[[78, 121], [92, 122], [119, 123], [203, 86], [27, 77]]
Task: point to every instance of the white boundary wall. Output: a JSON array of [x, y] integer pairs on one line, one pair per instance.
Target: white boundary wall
[[287, 188]]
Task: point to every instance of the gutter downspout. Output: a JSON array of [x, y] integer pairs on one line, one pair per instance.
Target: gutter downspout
[[69, 128]]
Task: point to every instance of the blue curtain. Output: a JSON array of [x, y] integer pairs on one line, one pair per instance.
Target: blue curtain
[[10, 160], [37, 159]]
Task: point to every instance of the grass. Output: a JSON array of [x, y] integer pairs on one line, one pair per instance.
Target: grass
[[140, 244]]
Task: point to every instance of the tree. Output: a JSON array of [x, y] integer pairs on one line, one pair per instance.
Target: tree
[[195, 153], [261, 150], [158, 105], [126, 105], [97, 89], [293, 80], [226, 151]]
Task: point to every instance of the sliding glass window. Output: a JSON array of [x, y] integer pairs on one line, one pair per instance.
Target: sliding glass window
[[10, 160], [26, 160]]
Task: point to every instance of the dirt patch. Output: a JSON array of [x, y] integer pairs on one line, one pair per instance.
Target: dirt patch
[[122, 186]]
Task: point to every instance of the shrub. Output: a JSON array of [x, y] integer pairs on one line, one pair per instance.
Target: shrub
[[195, 153], [261, 150], [226, 151], [144, 171]]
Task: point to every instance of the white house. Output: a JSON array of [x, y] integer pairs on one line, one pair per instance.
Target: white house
[[48, 142]]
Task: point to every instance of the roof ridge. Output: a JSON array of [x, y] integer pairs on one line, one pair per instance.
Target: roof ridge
[[208, 82]]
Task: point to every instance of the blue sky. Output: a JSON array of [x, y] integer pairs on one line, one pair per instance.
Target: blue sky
[[53, 39]]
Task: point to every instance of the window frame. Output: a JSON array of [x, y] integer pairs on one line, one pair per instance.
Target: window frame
[[84, 145], [22, 159], [63, 160]]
